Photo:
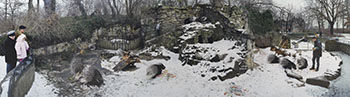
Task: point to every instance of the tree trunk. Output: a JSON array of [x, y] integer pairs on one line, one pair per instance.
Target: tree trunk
[[38, 6], [30, 7], [6, 5], [50, 6], [331, 28], [229, 2], [81, 7], [105, 11], [116, 7]]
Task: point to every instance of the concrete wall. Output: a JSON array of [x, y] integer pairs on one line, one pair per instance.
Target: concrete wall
[[332, 45], [22, 85]]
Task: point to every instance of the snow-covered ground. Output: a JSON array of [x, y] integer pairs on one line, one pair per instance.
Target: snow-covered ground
[[267, 80], [40, 88], [177, 81], [270, 80], [341, 87], [345, 39]]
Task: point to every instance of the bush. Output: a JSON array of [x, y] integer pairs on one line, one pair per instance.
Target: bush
[[68, 29]]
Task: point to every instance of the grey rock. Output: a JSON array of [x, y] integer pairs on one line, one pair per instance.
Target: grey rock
[[272, 58], [292, 74], [318, 81]]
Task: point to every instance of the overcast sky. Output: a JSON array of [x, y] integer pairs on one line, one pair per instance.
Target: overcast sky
[[297, 4]]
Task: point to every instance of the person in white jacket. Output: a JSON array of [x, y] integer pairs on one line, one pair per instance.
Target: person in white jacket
[[21, 47]]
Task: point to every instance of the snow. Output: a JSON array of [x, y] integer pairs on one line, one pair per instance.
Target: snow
[[267, 80], [345, 39], [270, 80], [40, 88], [195, 26], [2, 67], [119, 41], [179, 81]]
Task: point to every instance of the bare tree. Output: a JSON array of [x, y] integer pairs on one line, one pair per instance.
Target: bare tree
[[131, 6], [330, 10], [117, 8], [81, 7], [6, 9], [217, 3], [30, 7], [50, 7], [38, 6], [111, 7]]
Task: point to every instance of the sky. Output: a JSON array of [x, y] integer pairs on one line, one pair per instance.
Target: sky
[[296, 4]]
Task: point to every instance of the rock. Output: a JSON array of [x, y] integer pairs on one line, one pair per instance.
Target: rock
[[229, 75], [86, 68], [154, 70], [291, 74], [218, 58], [302, 63], [189, 20], [272, 58], [240, 66], [331, 75], [318, 81], [91, 76], [287, 64], [192, 62]]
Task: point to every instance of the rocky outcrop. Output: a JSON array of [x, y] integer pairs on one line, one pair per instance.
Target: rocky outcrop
[[87, 69]]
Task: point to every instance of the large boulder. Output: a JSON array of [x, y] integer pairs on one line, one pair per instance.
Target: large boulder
[[287, 64], [318, 81], [302, 63], [272, 58], [91, 76], [87, 69]]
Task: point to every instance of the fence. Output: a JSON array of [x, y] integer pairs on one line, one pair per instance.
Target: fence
[[119, 44]]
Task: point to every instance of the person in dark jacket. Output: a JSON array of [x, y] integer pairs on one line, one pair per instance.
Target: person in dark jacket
[[317, 53], [10, 52]]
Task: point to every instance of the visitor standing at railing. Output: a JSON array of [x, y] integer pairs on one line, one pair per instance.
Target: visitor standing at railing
[[317, 53], [21, 44], [9, 51]]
